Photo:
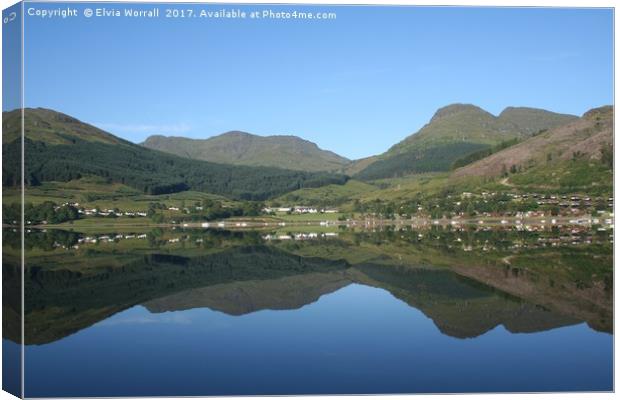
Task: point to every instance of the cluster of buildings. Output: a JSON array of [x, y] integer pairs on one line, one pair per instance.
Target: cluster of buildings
[[567, 236], [103, 213], [566, 204], [301, 236], [113, 238], [548, 199], [565, 201], [116, 238], [109, 238], [116, 212], [110, 212], [299, 210]]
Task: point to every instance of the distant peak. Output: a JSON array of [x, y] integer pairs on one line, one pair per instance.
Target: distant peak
[[516, 110], [511, 109], [237, 133], [599, 113], [155, 138], [456, 108], [48, 113], [246, 135]]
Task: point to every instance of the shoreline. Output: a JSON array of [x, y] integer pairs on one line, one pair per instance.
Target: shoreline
[[240, 224]]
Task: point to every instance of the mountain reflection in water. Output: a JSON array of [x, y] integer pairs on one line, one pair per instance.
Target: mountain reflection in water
[[71, 287], [193, 312]]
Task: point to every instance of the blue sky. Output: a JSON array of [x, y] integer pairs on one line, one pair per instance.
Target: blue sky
[[355, 85]]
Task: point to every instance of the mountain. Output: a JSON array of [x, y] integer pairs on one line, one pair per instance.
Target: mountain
[[532, 120], [241, 148], [456, 131], [63, 301], [244, 297], [52, 127], [458, 306], [554, 155], [61, 148], [68, 292]]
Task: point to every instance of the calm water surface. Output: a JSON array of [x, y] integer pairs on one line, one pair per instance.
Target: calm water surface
[[352, 314]]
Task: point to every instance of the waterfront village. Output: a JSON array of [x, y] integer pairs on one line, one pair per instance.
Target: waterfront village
[[187, 210], [465, 238], [466, 207]]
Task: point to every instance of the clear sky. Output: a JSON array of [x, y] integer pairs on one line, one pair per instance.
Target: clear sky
[[355, 85]]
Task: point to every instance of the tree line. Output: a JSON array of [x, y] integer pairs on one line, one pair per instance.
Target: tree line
[[152, 172], [480, 154], [432, 159], [47, 211]]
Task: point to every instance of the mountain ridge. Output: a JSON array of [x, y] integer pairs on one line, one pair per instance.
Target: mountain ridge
[[243, 148], [454, 131]]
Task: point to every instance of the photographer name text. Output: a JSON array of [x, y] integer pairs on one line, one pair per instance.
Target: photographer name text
[[180, 13]]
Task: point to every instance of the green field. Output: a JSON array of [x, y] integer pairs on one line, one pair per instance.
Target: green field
[[309, 217], [99, 224], [98, 193], [325, 196], [405, 187]]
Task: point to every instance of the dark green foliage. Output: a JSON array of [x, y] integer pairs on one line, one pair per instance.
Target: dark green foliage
[[154, 172], [44, 240], [607, 156], [437, 158], [144, 278], [11, 164], [215, 210], [479, 155], [46, 211]]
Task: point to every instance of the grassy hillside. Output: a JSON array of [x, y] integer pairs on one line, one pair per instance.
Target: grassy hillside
[[52, 127], [454, 132], [457, 123], [406, 188], [559, 156], [568, 176], [330, 195], [97, 192], [71, 153], [573, 158], [578, 176], [240, 148], [532, 120]]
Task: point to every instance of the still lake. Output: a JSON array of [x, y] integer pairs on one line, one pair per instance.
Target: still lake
[[177, 313]]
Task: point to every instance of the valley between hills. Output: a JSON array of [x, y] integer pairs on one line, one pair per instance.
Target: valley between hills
[[465, 164]]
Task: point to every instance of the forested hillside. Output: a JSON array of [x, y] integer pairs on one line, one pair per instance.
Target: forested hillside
[[71, 156]]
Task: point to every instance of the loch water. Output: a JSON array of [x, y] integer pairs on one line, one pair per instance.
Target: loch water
[[197, 313]]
